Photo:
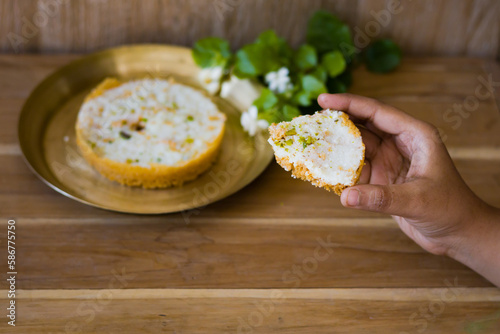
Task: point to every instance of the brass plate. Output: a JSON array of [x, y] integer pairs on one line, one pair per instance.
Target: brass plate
[[47, 135]]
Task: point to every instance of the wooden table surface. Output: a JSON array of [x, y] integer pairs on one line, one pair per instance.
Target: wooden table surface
[[278, 256]]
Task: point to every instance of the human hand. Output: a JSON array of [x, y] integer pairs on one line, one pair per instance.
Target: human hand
[[410, 175]]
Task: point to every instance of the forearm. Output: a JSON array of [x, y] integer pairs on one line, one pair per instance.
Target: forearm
[[479, 246]]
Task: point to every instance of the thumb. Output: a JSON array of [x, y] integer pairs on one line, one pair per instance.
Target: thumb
[[391, 199]]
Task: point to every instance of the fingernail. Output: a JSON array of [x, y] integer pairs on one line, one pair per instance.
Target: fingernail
[[353, 197]]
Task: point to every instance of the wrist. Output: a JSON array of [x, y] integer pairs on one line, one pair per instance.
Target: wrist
[[477, 238]]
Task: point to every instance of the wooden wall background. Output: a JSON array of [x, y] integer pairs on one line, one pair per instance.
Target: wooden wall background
[[430, 27]]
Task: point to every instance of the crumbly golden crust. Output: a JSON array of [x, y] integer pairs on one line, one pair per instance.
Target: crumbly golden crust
[[157, 176], [106, 84], [300, 171]]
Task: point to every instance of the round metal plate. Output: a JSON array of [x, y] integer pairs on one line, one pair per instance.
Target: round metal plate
[[47, 135]]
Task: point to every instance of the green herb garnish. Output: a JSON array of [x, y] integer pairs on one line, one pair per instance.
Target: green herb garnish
[[306, 141], [125, 135]]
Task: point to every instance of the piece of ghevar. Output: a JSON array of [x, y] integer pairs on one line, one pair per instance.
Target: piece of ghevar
[[325, 149], [152, 133]]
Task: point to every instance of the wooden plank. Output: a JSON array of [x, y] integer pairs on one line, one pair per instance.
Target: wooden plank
[[272, 195], [494, 69], [435, 27], [9, 113], [198, 272], [446, 27], [161, 252], [444, 93], [427, 88], [105, 312], [379, 294], [21, 73]]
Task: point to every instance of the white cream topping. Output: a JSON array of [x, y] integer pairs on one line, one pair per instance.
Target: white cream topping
[[324, 145], [150, 121]]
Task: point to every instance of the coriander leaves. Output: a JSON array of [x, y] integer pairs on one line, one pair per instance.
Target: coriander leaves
[[211, 52], [293, 78]]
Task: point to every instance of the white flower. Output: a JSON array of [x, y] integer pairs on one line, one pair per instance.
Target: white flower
[[228, 86], [240, 92], [279, 81], [251, 123], [210, 78]]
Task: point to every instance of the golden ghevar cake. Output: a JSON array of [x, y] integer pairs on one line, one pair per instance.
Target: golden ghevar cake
[[151, 133], [325, 148]]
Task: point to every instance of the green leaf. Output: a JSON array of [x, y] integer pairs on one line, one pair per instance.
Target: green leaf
[[211, 52], [289, 112], [269, 53], [302, 98], [275, 115], [305, 57], [271, 115], [383, 56], [279, 51], [326, 33], [249, 62], [320, 73], [266, 100], [269, 37], [334, 63], [312, 85]]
